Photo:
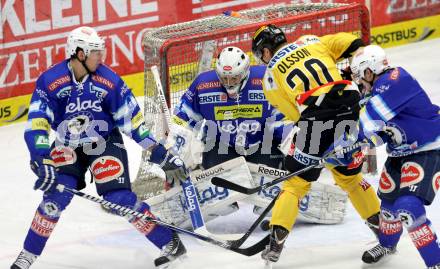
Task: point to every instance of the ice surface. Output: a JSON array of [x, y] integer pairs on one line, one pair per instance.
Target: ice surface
[[86, 237]]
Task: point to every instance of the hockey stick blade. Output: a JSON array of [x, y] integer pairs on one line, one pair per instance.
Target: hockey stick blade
[[221, 182], [249, 251], [237, 243], [254, 249]]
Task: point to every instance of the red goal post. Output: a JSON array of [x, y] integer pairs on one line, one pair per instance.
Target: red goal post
[[181, 50]]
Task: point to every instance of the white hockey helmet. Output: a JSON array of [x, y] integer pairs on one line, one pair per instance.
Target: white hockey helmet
[[370, 57], [85, 38], [232, 68]]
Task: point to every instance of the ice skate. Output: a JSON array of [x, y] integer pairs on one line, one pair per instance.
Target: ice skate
[[373, 223], [377, 253], [170, 252], [273, 251], [24, 260]]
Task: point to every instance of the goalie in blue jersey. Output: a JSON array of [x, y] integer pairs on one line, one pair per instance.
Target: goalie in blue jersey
[[88, 106], [228, 108], [399, 113]]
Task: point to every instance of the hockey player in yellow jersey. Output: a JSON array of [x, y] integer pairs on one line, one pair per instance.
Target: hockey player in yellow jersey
[[303, 82]]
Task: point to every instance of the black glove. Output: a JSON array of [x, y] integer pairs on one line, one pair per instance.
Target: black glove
[[173, 166], [46, 172], [346, 73]]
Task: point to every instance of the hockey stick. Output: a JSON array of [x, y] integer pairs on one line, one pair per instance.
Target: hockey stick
[[229, 245], [237, 243], [221, 182], [189, 191], [163, 101]]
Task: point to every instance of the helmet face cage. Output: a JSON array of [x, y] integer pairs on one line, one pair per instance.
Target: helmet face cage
[[232, 68], [370, 57], [84, 38], [268, 36]]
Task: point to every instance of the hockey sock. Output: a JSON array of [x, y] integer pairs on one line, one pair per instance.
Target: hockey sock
[[361, 194], [47, 216], [412, 213], [286, 207], [157, 234], [390, 225]]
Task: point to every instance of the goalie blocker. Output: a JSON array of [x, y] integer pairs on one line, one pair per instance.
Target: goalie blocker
[[324, 204]]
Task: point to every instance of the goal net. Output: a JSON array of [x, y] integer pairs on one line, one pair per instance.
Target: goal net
[[183, 50]]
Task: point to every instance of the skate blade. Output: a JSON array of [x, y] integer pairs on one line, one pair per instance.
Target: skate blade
[[175, 263], [268, 264], [381, 263]]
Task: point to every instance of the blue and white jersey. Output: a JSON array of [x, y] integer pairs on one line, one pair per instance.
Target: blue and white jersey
[[243, 122], [82, 112], [399, 102]]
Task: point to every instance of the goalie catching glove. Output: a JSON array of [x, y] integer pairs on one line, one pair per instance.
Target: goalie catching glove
[[173, 166], [46, 172]]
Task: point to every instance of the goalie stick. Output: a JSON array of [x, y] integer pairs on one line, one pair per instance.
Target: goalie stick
[[229, 245], [163, 101], [221, 182], [189, 191]]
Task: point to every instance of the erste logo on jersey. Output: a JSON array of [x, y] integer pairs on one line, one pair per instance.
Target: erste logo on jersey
[[106, 168], [213, 97], [386, 184], [256, 95], [411, 173]]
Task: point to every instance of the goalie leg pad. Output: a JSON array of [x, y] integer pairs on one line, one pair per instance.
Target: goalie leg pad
[[324, 204], [158, 235], [361, 194], [286, 207], [47, 215]]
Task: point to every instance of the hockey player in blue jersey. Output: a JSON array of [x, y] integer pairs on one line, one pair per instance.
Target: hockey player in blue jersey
[[87, 105], [239, 121], [399, 113]]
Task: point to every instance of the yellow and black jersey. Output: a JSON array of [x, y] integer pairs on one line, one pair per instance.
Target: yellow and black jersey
[[302, 72]]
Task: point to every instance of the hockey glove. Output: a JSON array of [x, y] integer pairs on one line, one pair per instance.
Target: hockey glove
[[46, 172], [173, 166], [351, 159]]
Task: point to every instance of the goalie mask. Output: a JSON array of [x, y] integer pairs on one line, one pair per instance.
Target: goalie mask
[[85, 38], [232, 68]]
